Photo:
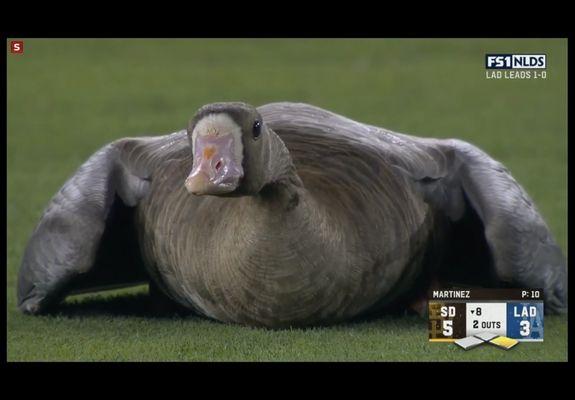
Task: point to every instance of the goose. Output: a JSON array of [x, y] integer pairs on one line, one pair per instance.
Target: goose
[[288, 215]]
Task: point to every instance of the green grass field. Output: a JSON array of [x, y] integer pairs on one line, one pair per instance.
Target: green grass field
[[66, 98]]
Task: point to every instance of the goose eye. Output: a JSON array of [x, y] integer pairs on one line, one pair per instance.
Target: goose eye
[[257, 129]]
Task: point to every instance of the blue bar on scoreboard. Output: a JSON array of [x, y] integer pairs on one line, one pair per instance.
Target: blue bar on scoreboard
[[525, 321]]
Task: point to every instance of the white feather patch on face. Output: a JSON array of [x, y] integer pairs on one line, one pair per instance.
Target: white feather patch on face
[[220, 124]]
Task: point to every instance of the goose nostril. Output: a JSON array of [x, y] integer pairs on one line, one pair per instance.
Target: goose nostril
[[218, 165]]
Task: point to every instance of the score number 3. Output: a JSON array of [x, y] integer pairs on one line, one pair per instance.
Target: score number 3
[[525, 328]]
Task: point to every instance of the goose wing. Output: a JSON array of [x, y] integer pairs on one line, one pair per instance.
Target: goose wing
[[463, 180], [457, 179], [85, 239]]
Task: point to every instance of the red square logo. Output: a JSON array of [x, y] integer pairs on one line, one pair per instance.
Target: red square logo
[[16, 47]]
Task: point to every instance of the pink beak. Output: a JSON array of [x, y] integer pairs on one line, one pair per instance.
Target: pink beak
[[215, 169]]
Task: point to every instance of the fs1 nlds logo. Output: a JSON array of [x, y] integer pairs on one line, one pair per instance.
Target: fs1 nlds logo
[[516, 66]]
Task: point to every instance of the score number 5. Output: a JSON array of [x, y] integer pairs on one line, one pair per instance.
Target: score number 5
[[447, 328]]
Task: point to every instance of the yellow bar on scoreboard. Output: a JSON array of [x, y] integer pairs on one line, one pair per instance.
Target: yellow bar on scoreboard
[[442, 340], [504, 342]]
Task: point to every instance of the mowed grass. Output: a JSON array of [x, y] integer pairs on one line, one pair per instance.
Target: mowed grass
[[67, 98]]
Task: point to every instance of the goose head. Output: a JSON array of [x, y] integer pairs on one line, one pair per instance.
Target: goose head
[[230, 144]]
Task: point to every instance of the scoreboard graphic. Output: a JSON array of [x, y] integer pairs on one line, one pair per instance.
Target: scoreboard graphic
[[508, 313]]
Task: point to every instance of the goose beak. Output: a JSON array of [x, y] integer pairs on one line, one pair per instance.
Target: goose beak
[[215, 169]]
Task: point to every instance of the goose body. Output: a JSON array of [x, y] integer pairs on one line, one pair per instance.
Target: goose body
[[318, 220], [340, 250]]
